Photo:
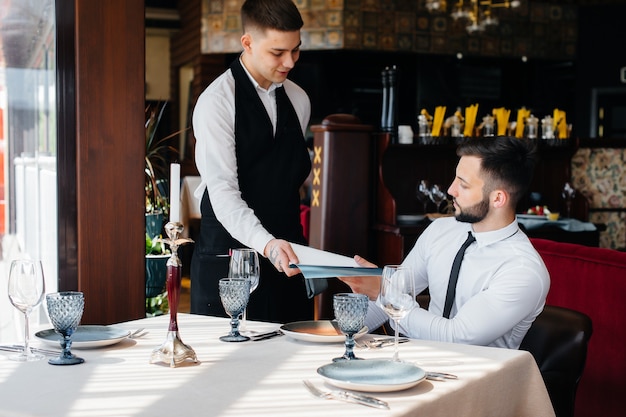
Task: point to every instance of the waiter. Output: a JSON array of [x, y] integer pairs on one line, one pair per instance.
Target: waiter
[[251, 155]]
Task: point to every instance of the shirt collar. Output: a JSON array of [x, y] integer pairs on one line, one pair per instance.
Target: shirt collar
[[273, 87], [488, 238]]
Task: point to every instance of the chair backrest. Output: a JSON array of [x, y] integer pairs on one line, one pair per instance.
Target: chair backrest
[[558, 341]]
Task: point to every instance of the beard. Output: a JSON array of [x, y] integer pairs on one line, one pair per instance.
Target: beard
[[475, 213]]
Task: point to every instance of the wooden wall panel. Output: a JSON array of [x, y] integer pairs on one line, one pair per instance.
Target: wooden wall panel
[[110, 149]]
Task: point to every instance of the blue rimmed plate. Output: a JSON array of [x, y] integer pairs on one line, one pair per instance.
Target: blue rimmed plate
[[373, 375], [88, 336]]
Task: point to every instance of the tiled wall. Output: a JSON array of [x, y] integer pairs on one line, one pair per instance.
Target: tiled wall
[[535, 29], [600, 175]]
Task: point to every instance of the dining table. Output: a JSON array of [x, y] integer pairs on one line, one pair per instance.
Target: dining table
[[262, 378]]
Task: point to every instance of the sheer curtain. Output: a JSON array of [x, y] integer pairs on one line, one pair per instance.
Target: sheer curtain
[[28, 185]]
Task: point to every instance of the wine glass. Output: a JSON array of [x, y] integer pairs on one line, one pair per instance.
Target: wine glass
[[65, 310], [423, 194], [568, 193], [234, 293], [26, 290], [244, 263], [437, 196], [350, 310], [397, 296]]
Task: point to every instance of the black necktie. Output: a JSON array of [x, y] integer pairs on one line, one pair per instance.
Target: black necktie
[[454, 275], [281, 107]]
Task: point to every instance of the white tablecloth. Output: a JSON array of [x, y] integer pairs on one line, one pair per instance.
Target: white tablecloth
[[261, 378]]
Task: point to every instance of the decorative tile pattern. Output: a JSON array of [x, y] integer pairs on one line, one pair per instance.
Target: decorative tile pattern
[[600, 175], [540, 29]]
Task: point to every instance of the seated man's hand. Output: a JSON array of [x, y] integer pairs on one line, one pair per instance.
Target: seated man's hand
[[368, 285]]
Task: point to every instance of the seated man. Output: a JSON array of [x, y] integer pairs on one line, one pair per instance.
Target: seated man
[[502, 282]]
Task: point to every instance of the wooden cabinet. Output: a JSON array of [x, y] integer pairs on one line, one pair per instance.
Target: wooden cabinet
[[340, 194]]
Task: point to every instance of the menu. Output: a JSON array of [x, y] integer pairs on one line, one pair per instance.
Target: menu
[[317, 263]]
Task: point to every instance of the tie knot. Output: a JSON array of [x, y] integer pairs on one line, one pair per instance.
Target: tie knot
[[469, 240]]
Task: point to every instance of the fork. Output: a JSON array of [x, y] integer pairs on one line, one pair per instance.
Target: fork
[[347, 396], [137, 333], [379, 343]]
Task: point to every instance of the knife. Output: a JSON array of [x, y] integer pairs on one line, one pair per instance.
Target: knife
[[266, 336], [16, 348]]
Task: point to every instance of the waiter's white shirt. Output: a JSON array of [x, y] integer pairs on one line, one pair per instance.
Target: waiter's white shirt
[[214, 129]]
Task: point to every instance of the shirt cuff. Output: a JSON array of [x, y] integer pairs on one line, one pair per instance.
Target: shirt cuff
[[375, 317]]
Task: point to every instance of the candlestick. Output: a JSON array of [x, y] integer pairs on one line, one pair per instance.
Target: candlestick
[[174, 193], [173, 350]]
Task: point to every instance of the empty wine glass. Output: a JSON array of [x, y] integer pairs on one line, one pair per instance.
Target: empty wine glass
[[423, 194], [568, 193], [397, 296], [244, 263], [26, 290], [350, 310], [234, 293], [65, 310], [437, 196]]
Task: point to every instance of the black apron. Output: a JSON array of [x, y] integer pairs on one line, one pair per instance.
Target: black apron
[[271, 168]]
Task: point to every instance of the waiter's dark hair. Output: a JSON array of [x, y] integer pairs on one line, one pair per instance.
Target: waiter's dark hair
[[282, 15], [507, 162]]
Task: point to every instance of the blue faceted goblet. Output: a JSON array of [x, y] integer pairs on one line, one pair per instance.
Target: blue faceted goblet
[[234, 293], [350, 310], [65, 310]]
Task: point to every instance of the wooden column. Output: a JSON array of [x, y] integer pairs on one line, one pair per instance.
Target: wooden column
[[103, 254]]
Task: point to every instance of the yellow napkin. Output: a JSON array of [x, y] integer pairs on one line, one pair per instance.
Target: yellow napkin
[[502, 119], [470, 120], [522, 115], [560, 124], [440, 112]]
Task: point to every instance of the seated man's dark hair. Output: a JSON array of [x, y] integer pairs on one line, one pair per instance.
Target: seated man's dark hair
[[508, 162]]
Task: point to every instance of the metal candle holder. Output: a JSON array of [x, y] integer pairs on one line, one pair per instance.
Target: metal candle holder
[[173, 350]]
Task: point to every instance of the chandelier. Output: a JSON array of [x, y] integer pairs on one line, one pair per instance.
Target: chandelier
[[477, 13]]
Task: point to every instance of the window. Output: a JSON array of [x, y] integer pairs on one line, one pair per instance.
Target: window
[[28, 146]]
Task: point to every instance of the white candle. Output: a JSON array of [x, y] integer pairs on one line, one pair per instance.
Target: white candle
[[174, 193]]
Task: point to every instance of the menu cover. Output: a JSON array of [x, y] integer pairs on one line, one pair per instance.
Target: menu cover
[[316, 263]]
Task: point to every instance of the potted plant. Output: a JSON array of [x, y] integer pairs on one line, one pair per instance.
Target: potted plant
[[156, 275], [158, 152]]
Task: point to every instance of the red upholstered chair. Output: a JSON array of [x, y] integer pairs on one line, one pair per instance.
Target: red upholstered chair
[[305, 220], [593, 281], [558, 340]]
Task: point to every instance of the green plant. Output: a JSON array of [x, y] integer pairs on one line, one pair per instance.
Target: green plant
[[157, 306], [158, 152], [155, 246]]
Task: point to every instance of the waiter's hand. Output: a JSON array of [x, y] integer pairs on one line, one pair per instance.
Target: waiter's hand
[[368, 285], [281, 255]]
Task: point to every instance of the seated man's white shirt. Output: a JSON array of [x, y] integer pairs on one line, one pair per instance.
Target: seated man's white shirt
[[502, 286]]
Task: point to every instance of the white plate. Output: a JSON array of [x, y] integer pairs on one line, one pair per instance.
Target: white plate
[[532, 217], [410, 218], [373, 375], [86, 336], [321, 331]]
